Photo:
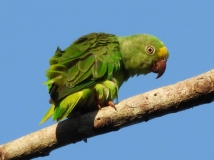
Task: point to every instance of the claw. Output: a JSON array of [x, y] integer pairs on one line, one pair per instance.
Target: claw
[[99, 107], [100, 103], [110, 103]]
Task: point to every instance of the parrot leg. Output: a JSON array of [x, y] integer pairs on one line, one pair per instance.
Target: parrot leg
[[105, 93]]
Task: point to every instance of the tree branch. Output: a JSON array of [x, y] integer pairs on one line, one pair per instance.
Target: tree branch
[[169, 99]]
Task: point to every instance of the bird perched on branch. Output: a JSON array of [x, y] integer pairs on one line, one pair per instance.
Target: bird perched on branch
[[87, 75]]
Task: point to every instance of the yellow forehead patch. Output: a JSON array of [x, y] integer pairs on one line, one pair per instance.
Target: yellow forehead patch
[[163, 52]]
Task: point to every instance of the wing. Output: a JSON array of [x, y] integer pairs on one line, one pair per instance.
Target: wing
[[90, 59]]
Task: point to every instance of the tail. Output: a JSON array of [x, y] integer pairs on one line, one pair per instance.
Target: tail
[[48, 114]]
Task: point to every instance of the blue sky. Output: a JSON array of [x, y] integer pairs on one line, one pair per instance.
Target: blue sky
[[30, 31]]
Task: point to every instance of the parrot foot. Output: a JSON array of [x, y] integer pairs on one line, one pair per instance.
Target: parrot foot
[[102, 104], [110, 103]]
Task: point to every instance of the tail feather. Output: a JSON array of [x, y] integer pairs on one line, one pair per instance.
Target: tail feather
[[48, 114]]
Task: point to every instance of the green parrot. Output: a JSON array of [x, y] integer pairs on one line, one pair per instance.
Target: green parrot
[[87, 75]]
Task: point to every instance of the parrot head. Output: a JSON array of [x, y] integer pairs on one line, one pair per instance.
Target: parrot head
[[143, 53]]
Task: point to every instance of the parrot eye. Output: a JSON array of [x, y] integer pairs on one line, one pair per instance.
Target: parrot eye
[[150, 50]]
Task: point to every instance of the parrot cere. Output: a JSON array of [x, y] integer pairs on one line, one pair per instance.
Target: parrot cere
[[87, 75]]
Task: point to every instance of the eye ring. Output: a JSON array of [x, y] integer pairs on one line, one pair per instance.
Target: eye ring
[[150, 50]]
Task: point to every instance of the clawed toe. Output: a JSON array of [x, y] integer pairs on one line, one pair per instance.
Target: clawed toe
[[110, 103], [99, 107]]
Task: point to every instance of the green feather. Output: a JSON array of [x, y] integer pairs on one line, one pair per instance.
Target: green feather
[[90, 71], [48, 114], [83, 77], [67, 90], [68, 104], [99, 69], [85, 64], [72, 73], [110, 70]]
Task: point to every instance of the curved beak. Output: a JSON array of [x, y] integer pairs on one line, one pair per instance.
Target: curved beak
[[159, 67]]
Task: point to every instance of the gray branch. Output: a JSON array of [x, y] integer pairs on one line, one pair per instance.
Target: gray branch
[[169, 99]]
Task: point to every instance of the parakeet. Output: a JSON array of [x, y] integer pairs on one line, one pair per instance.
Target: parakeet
[[87, 75]]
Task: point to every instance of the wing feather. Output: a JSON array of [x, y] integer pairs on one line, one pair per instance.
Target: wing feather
[[88, 60]]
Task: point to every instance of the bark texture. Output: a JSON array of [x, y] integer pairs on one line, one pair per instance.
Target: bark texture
[[169, 99]]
